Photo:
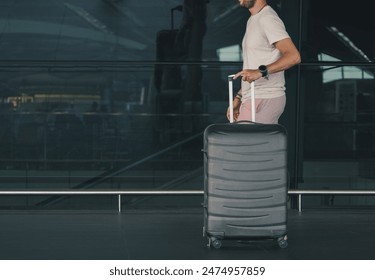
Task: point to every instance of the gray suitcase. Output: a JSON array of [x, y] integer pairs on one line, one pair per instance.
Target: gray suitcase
[[245, 182]]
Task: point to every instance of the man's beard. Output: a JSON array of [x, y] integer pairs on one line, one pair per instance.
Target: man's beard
[[248, 4]]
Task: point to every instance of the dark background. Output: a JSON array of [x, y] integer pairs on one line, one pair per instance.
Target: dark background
[[92, 90]]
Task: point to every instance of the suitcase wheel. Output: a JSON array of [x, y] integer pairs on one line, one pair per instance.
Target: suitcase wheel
[[216, 243], [282, 241]]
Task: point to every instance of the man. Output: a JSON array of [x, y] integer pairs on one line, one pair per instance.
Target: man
[[267, 52]]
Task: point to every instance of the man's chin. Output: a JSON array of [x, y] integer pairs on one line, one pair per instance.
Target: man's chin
[[247, 4]]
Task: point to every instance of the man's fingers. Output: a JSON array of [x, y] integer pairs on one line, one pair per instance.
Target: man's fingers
[[237, 75], [228, 114]]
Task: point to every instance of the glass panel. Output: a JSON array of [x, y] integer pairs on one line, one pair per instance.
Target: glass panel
[[338, 101], [338, 132], [105, 127], [128, 30], [327, 29]]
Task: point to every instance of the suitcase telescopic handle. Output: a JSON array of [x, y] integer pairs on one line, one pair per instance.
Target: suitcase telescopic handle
[[230, 82], [252, 92], [252, 88]]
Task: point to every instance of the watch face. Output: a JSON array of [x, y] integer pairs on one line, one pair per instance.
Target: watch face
[[262, 68]]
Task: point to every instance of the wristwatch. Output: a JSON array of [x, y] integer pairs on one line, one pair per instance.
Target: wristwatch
[[263, 69]]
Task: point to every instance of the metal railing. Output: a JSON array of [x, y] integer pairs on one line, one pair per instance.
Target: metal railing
[[119, 193], [299, 193]]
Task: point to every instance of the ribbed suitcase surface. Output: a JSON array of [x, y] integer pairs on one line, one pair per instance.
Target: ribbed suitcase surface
[[245, 168]]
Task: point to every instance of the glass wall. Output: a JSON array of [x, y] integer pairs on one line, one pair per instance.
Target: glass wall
[[107, 94], [94, 126], [337, 85], [127, 30]]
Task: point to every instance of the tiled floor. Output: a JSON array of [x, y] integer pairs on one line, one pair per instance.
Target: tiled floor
[[177, 234]]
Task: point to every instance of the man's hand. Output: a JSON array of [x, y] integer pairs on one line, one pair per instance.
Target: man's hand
[[236, 112], [248, 75], [236, 109]]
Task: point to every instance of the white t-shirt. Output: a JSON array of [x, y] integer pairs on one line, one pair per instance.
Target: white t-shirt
[[262, 31]]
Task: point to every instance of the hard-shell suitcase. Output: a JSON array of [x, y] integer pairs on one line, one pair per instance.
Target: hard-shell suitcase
[[245, 182]]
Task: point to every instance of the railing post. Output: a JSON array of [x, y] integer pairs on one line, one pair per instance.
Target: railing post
[[300, 203], [119, 203]]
